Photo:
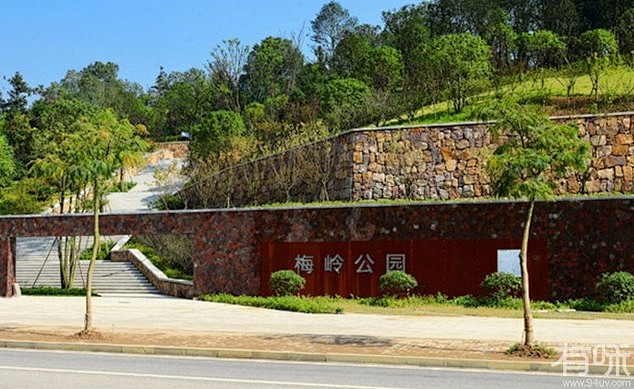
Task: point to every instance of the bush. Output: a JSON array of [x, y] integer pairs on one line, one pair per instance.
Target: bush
[[622, 307], [286, 283], [616, 288], [501, 286], [585, 304], [102, 254], [54, 291], [397, 283], [282, 303]]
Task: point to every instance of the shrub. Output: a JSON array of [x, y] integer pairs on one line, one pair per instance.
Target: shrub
[[397, 283], [102, 254], [617, 287], [467, 301], [585, 304], [502, 285], [282, 303], [622, 307], [286, 283], [54, 291]]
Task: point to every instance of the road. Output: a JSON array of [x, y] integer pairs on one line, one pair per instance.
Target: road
[[38, 369]]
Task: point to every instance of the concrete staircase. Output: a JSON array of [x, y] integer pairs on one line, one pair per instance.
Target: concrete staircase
[[37, 265]]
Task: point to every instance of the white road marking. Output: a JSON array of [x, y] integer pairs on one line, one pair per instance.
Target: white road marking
[[191, 378]]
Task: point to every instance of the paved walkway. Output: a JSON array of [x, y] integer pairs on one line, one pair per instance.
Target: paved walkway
[[165, 314], [144, 193]]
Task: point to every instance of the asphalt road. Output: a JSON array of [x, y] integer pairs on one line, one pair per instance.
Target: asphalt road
[[44, 369]]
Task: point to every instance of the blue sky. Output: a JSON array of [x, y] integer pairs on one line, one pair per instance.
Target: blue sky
[[44, 38]]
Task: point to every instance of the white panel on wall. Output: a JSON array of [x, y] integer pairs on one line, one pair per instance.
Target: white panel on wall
[[509, 262]]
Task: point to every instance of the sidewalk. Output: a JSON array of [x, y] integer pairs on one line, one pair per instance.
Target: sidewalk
[[190, 327]]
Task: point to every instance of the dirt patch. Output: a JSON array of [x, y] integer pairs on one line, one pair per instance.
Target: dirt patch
[[305, 343]]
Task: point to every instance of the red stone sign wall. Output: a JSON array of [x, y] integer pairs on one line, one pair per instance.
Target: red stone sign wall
[[448, 246], [451, 267]]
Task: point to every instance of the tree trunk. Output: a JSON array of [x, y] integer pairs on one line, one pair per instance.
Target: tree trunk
[[93, 258], [528, 316]]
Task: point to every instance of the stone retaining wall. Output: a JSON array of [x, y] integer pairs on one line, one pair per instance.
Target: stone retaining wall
[[416, 162]]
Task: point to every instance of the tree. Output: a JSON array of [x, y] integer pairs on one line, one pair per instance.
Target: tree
[[562, 17], [541, 49], [7, 162], [625, 32], [98, 84], [329, 27], [17, 127], [225, 69], [185, 98], [18, 95], [56, 161], [502, 39], [99, 160], [533, 153], [598, 47], [459, 63], [343, 103], [271, 69], [215, 133]]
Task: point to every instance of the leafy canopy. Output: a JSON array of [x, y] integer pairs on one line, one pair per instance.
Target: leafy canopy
[[533, 153]]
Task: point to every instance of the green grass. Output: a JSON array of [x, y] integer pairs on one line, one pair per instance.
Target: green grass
[[54, 291], [437, 305], [616, 93], [282, 303]]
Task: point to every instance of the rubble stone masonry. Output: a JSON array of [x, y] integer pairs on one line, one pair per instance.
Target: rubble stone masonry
[[417, 162]]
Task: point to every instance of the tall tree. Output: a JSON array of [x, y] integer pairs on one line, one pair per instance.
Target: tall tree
[[17, 126], [598, 48], [271, 69], [329, 27], [99, 161], [225, 69], [18, 95], [625, 32], [562, 17], [459, 63], [215, 133], [533, 153], [7, 162]]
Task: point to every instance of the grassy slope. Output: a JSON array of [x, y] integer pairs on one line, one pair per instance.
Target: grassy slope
[[616, 94]]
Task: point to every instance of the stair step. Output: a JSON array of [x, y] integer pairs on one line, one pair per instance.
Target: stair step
[[36, 260]]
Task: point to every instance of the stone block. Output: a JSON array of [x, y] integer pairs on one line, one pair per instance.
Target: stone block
[[573, 185], [618, 171], [615, 160], [603, 151], [462, 144], [606, 174], [624, 139], [597, 140], [620, 149], [446, 153], [451, 165], [593, 186], [628, 173]]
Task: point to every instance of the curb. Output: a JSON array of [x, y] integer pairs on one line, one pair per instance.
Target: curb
[[484, 364]]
